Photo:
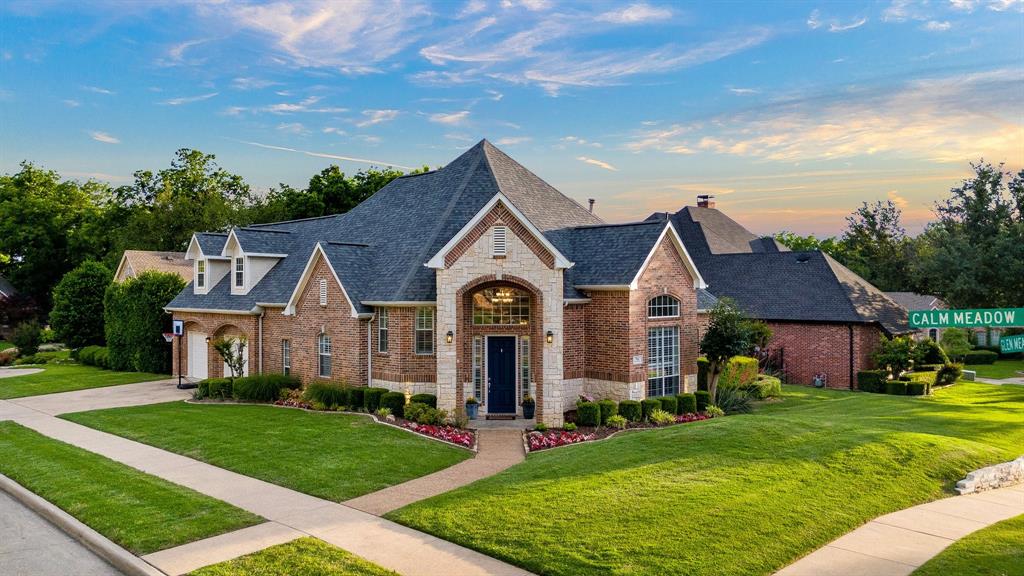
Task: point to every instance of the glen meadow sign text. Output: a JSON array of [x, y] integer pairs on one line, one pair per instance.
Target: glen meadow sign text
[[1011, 344], [994, 317]]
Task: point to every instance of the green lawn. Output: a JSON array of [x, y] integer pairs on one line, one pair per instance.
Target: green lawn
[[302, 557], [67, 377], [737, 495], [333, 456], [4, 345], [1001, 369], [140, 512], [994, 551]]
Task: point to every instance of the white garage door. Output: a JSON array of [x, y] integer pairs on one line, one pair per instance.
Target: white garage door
[[197, 360]]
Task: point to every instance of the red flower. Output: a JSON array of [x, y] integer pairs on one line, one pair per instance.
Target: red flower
[[446, 433], [555, 438]]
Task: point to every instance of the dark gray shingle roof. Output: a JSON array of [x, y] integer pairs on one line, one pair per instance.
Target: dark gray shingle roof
[[915, 301]]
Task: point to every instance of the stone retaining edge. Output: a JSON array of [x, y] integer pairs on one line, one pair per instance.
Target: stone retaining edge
[[992, 477], [103, 547]]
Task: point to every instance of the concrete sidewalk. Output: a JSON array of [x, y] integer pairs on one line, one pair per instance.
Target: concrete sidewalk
[[153, 392], [896, 544], [386, 543], [498, 449]]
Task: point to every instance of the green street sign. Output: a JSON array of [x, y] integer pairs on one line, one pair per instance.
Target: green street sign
[[1010, 344], [994, 317]]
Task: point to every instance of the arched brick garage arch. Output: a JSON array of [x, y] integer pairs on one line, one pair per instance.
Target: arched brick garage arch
[[229, 329]]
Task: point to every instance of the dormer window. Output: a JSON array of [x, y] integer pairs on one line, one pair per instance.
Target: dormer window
[[239, 272], [200, 273], [499, 244]]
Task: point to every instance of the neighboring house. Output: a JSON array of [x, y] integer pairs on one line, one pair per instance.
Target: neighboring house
[[135, 262], [479, 279], [914, 301]]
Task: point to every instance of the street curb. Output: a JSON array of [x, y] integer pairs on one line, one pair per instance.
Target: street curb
[[118, 557]]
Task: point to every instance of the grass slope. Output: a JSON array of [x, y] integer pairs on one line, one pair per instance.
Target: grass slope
[[67, 377], [994, 551], [737, 495], [140, 512], [333, 456], [1001, 369], [302, 557]]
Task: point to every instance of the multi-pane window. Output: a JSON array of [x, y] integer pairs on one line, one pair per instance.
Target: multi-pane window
[[663, 306], [239, 272], [286, 357], [663, 361], [424, 330], [200, 273], [324, 353], [503, 306], [382, 330], [478, 368], [524, 365]]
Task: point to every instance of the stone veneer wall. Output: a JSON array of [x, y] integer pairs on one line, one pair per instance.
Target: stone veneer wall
[[474, 261]]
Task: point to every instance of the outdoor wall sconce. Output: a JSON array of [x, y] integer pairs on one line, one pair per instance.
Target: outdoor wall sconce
[[207, 339], [449, 337], [551, 337]]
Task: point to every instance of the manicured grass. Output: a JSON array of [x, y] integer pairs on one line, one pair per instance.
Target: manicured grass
[[67, 377], [994, 551], [4, 345], [1001, 369], [333, 456], [140, 512], [302, 557], [738, 495]]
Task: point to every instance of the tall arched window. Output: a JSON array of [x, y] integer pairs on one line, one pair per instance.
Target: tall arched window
[[502, 306], [663, 306]]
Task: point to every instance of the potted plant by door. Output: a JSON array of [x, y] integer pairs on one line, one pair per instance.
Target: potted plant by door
[[472, 407], [528, 404]]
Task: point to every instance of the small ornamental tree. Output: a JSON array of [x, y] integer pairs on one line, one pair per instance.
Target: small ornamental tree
[[895, 354], [728, 335], [232, 350], [26, 338], [954, 342], [77, 315]]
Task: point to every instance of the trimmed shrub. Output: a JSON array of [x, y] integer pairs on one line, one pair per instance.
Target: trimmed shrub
[[371, 398], [134, 321], [740, 371], [413, 410], [26, 337], [630, 410], [927, 367], [33, 359], [702, 373], [102, 358], [394, 401], [929, 352], [703, 400], [896, 387], [87, 355], [432, 416], [669, 404], [871, 381], [428, 399], [588, 414], [687, 403], [948, 374], [609, 408], [904, 378], [981, 357], [765, 387], [616, 421], [356, 396], [77, 315], [329, 394], [216, 388], [649, 405], [264, 387], [916, 388]]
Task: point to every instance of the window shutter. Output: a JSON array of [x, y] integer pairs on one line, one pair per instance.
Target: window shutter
[[500, 241], [323, 292]]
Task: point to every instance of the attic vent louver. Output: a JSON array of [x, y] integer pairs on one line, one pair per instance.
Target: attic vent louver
[[323, 292], [500, 244]]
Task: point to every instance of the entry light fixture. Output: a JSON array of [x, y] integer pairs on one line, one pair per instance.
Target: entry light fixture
[[551, 337], [207, 339], [449, 337]]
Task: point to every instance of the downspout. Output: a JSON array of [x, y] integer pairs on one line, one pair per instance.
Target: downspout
[[369, 350], [259, 356], [849, 327]]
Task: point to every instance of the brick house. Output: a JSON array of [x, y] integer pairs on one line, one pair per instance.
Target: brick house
[[478, 279]]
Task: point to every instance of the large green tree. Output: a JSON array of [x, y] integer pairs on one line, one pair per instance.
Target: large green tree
[[973, 255], [77, 315], [329, 192], [876, 246]]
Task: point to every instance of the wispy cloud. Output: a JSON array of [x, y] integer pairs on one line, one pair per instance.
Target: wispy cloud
[[188, 99], [176, 53], [325, 155], [98, 90], [296, 128], [104, 137], [494, 95], [598, 163], [936, 26], [512, 140], [635, 14], [306, 105], [838, 27], [250, 83], [450, 118], [743, 91], [815, 21], [580, 141], [71, 103], [371, 117]]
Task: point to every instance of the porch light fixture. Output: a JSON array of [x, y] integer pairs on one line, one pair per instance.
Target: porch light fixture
[[551, 336], [207, 339], [449, 336]]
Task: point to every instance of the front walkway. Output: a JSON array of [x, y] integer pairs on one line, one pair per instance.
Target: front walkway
[[896, 544], [386, 543]]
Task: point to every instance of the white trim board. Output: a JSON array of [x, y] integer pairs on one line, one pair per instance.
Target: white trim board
[[307, 273], [691, 267]]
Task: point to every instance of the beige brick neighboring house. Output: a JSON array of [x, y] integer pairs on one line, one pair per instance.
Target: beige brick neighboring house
[[478, 279], [135, 262]]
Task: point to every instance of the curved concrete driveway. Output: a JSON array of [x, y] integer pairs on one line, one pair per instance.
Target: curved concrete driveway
[[12, 372], [120, 396]]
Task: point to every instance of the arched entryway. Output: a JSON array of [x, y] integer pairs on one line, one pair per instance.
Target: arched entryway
[[240, 342]]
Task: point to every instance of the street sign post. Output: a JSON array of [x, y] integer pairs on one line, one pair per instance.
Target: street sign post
[[981, 318], [1011, 344]]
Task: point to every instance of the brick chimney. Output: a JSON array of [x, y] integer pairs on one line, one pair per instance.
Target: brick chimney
[[705, 201], [591, 202]]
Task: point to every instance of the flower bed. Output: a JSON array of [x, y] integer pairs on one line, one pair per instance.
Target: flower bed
[[447, 433], [536, 440], [554, 438]]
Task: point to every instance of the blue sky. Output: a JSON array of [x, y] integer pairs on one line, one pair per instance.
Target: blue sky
[[790, 113]]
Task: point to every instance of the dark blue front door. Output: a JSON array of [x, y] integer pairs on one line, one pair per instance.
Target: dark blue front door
[[501, 374]]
